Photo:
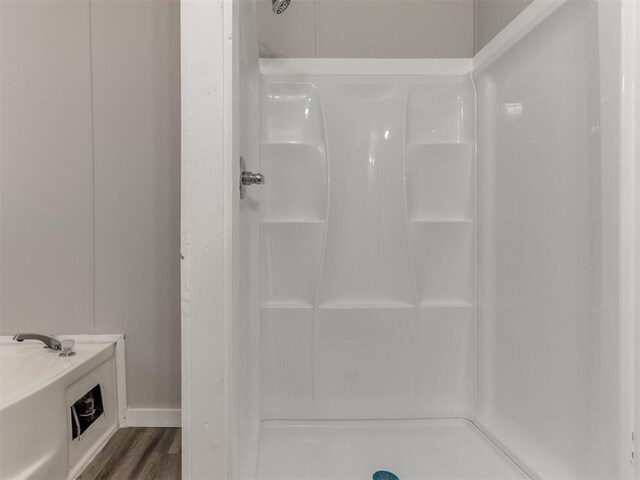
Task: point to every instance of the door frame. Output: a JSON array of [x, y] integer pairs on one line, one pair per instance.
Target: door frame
[[209, 214]]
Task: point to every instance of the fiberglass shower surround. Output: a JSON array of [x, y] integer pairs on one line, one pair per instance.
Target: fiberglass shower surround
[[437, 253], [361, 250], [368, 274]]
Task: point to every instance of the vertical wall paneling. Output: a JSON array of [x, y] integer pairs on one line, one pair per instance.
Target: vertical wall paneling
[[47, 168], [367, 29], [395, 29], [75, 199], [136, 84]]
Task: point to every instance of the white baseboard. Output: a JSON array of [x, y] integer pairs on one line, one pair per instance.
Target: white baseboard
[[153, 417]]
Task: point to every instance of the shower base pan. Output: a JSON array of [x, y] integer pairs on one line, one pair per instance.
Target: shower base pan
[[411, 449]]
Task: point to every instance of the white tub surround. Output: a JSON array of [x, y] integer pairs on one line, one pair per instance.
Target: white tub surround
[[38, 389]]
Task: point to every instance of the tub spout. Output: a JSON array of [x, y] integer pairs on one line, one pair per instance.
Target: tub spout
[[50, 342]]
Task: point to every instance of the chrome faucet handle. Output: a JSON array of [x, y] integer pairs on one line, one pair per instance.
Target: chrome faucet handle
[[67, 347], [49, 341], [248, 178]]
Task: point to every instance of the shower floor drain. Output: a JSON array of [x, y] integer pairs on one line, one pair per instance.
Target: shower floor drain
[[384, 475]]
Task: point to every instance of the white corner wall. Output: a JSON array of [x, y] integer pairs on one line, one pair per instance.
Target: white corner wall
[[90, 179], [554, 344]]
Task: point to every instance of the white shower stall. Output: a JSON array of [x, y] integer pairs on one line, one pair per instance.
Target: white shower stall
[[438, 277]]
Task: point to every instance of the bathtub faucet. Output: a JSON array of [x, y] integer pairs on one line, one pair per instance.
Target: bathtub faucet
[[50, 342]]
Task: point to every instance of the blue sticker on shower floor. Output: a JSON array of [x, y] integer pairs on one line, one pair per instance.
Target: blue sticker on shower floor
[[384, 475]]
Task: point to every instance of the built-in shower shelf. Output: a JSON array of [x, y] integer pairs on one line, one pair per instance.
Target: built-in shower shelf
[[442, 144], [446, 221], [445, 304], [274, 221], [292, 144], [364, 305], [276, 305]]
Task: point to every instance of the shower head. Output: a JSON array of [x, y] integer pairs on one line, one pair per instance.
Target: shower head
[[279, 6]]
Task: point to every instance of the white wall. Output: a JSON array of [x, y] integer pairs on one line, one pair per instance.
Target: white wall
[[493, 15], [136, 85], [47, 170], [382, 28], [367, 28], [90, 179]]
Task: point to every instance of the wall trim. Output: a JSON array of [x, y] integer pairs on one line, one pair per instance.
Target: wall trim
[[153, 417], [365, 66]]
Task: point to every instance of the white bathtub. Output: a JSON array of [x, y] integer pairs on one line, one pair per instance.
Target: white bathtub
[[37, 390]]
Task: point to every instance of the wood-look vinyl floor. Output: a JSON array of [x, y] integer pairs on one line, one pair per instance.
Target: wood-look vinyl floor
[[138, 454]]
